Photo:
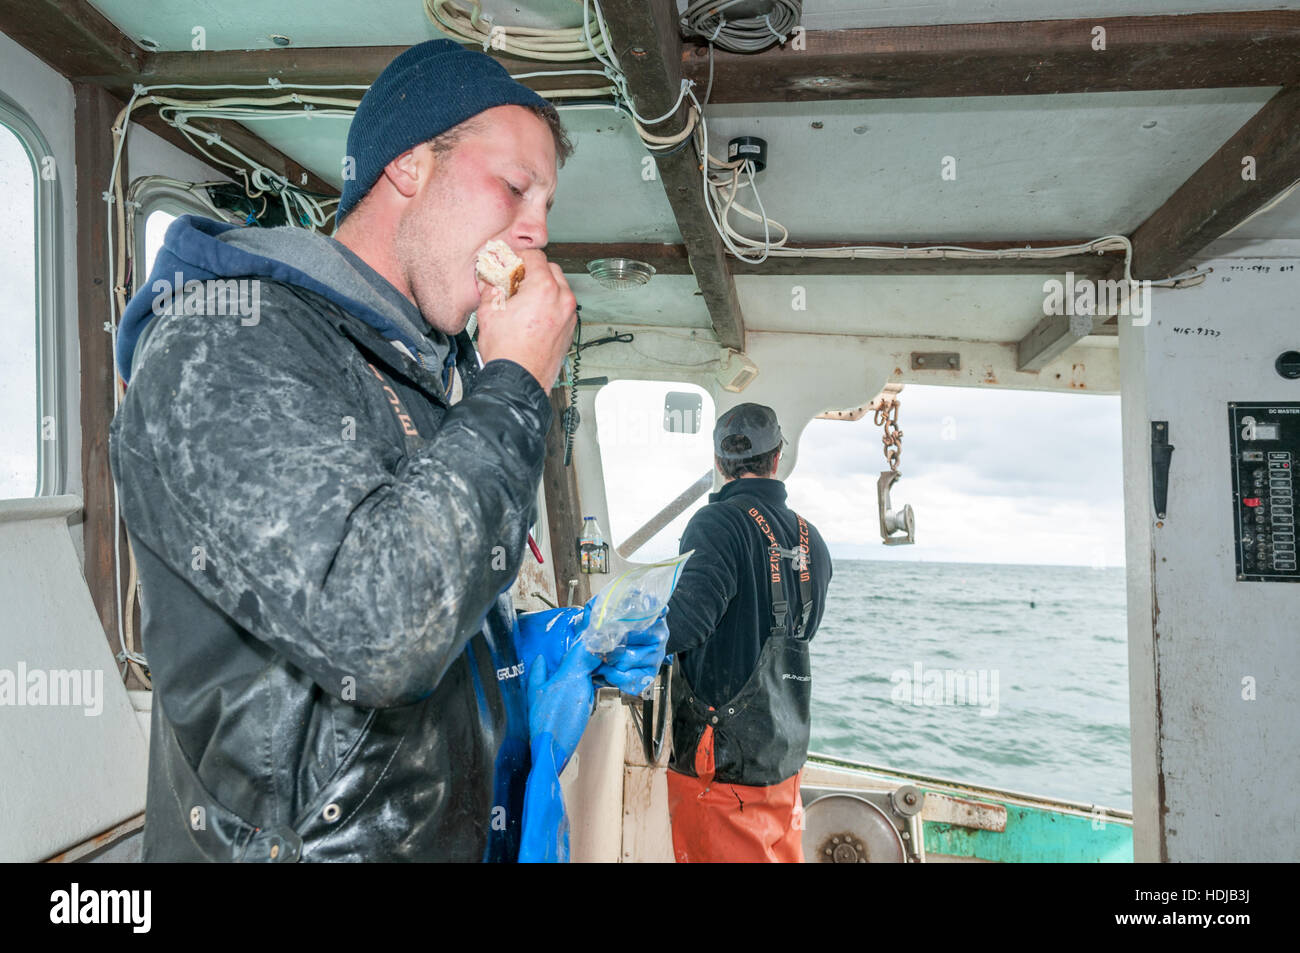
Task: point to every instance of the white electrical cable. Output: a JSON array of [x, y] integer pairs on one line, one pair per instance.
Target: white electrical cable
[[744, 34], [113, 196], [298, 206], [1267, 207], [720, 193], [721, 181], [469, 25]]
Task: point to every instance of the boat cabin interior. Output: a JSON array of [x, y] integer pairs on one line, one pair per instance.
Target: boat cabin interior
[[811, 205]]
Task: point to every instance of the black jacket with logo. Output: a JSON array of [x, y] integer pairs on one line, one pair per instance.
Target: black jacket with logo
[[720, 615], [324, 546]]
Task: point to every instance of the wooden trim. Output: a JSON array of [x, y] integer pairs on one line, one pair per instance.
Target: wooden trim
[[563, 508], [100, 842], [1030, 57], [674, 260], [1049, 339], [346, 65], [71, 36], [644, 36], [572, 257], [1034, 57], [95, 112], [1216, 198]]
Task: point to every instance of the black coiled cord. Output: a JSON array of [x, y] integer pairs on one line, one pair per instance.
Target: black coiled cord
[[570, 418]]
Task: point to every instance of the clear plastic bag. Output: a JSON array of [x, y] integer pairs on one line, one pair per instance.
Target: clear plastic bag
[[631, 602]]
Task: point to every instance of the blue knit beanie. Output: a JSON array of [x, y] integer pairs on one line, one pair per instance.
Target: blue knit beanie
[[431, 87]]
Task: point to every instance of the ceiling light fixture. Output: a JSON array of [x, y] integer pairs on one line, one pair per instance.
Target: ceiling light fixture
[[620, 274]]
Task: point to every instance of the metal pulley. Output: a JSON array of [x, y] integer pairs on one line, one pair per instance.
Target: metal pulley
[[847, 829], [865, 827]]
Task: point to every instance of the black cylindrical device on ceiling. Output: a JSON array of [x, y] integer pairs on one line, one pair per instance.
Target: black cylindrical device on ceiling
[[749, 147]]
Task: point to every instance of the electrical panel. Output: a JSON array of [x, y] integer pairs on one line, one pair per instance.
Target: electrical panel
[[1265, 447]]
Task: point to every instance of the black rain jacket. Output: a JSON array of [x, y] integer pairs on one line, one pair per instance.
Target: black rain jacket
[[722, 620], [324, 546]]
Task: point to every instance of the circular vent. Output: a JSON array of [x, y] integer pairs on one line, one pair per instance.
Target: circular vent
[[620, 274]]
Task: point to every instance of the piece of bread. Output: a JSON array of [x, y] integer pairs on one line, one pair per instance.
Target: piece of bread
[[500, 267]]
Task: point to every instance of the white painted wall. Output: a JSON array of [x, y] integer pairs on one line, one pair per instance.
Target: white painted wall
[[47, 98], [64, 776], [1214, 775], [73, 761]]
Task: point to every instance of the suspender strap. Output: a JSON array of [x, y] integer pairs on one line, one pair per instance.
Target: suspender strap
[[805, 576], [800, 560]]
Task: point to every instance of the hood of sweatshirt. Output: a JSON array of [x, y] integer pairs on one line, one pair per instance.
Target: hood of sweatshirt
[[199, 249]]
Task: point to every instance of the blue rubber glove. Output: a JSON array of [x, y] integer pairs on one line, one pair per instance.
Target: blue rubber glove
[[631, 668], [560, 705], [550, 633], [544, 838]]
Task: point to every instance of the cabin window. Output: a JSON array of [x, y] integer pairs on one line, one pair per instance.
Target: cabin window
[[993, 650], [33, 424], [656, 444], [155, 227], [162, 201]]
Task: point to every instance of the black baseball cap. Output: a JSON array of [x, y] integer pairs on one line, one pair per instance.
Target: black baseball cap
[[755, 422]]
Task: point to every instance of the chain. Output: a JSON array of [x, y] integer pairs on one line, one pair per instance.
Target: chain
[[886, 416]]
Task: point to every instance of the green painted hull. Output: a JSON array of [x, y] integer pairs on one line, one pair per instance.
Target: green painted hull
[[1038, 829]]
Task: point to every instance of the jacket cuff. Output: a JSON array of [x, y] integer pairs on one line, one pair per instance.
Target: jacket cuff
[[504, 376]]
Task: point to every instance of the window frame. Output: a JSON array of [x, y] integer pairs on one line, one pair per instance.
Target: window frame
[[51, 341], [638, 557], [159, 193]]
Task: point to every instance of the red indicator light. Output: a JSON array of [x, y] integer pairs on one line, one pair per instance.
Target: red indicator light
[[1251, 501]]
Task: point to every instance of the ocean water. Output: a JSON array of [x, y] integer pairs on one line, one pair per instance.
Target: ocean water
[[1031, 698]]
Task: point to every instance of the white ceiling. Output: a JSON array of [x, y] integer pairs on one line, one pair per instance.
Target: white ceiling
[[970, 307], [1061, 166], [1064, 166], [601, 194], [249, 24], [1001, 308], [668, 300], [1067, 166]]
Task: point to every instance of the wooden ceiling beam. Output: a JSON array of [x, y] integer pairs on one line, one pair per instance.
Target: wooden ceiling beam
[[1260, 160], [644, 37], [72, 37], [75, 39], [1031, 57], [1034, 57], [1052, 337]]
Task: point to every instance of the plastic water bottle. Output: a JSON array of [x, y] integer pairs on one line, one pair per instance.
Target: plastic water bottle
[[592, 549]]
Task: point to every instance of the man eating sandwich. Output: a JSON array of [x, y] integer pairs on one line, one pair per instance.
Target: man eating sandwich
[[328, 502]]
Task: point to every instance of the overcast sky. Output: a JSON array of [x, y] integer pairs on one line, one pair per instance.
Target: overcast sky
[[18, 430], [993, 476]]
